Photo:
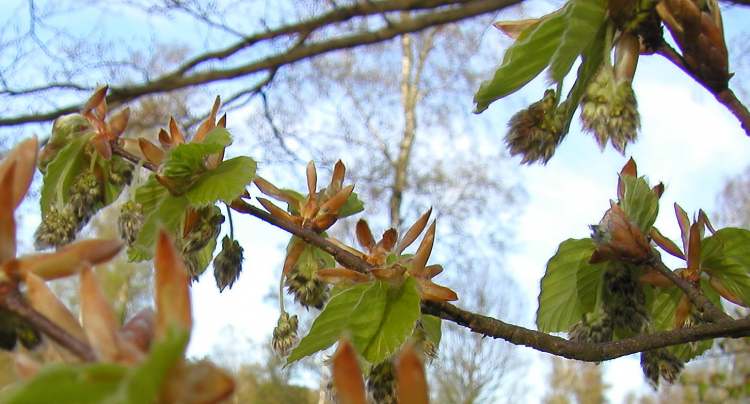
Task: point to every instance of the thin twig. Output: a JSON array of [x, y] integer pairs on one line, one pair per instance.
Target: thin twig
[[725, 96], [443, 12], [11, 299]]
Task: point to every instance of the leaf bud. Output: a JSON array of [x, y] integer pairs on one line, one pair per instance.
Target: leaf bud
[[617, 238]]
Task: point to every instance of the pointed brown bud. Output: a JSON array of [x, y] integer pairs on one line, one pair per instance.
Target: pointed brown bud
[[338, 200], [630, 170], [312, 180], [276, 211], [119, 122], [150, 151], [665, 243], [423, 252], [411, 384], [98, 318], [387, 242], [337, 178], [171, 288], [364, 235], [293, 255], [513, 29], [414, 231], [347, 378], [175, 132], [95, 99]]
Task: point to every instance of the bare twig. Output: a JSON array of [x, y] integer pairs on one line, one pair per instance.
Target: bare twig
[[443, 12], [725, 96], [11, 299], [584, 351]]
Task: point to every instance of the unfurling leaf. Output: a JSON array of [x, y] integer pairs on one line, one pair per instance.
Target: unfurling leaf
[[524, 60]]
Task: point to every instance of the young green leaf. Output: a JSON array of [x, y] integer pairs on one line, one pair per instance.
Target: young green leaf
[[662, 306], [726, 257], [400, 315], [352, 206], [62, 171], [160, 209], [432, 328], [312, 259], [226, 182], [524, 60], [583, 20], [640, 203], [186, 161], [68, 384], [331, 322], [569, 287], [591, 59]]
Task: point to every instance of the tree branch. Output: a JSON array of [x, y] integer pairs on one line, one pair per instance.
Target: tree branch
[[726, 97], [12, 300], [709, 310], [589, 352], [495, 328], [179, 79]]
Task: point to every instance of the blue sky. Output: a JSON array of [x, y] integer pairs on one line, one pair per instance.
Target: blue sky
[[688, 141]]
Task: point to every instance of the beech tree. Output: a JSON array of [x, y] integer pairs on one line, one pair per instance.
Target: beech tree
[[381, 306]]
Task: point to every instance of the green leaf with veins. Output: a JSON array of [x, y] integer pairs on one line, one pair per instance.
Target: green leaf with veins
[[570, 286], [400, 314], [332, 321], [186, 162], [353, 205], [62, 171], [377, 317], [226, 182], [524, 60], [583, 19], [726, 257], [160, 209], [662, 304]]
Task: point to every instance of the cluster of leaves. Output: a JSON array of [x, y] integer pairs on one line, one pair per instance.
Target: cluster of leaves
[[377, 308], [591, 29], [609, 286]]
